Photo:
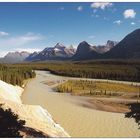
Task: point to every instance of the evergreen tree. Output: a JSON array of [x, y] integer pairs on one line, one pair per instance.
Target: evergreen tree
[[10, 124]]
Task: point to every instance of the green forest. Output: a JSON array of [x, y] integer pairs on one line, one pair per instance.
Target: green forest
[[14, 74], [112, 70]]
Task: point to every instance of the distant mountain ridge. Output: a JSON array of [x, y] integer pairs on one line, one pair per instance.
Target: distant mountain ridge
[[58, 52], [86, 51], [14, 57], [61, 52], [105, 48], [127, 48], [32, 56]]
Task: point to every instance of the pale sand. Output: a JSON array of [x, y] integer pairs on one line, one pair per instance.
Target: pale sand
[[35, 116], [78, 121]]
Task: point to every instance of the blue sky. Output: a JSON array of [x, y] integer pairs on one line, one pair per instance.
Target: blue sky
[[34, 26]]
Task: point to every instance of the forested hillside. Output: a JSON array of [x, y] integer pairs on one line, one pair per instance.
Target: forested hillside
[[15, 75]]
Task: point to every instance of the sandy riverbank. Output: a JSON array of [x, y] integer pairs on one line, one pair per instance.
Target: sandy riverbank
[[36, 118], [77, 120]]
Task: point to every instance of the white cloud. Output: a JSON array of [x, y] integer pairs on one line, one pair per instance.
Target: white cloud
[[101, 5], [79, 8], [19, 40], [19, 43], [30, 37], [129, 13], [133, 23], [30, 50], [117, 22], [11, 43], [3, 33]]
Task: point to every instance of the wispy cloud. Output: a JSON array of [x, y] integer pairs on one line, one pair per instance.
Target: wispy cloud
[[101, 5], [30, 50], [19, 40], [132, 23], [129, 13], [91, 36], [19, 43], [2, 33], [118, 22], [79, 8], [61, 8]]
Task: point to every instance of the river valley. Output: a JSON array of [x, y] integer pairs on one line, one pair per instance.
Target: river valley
[[67, 110]]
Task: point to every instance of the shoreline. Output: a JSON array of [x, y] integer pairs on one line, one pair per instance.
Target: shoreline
[[77, 120], [42, 109], [106, 106], [98, 102], [96, 80], [35, 116]]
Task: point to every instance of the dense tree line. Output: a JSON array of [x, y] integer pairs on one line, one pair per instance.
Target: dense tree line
[[110, 69], [15, 75]]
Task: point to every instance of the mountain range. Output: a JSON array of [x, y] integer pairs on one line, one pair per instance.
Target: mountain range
[[86, 51], [58, 52], [15, 57], [127, 48]]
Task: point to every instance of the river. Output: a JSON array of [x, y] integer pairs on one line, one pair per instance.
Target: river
[[77, 120]]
